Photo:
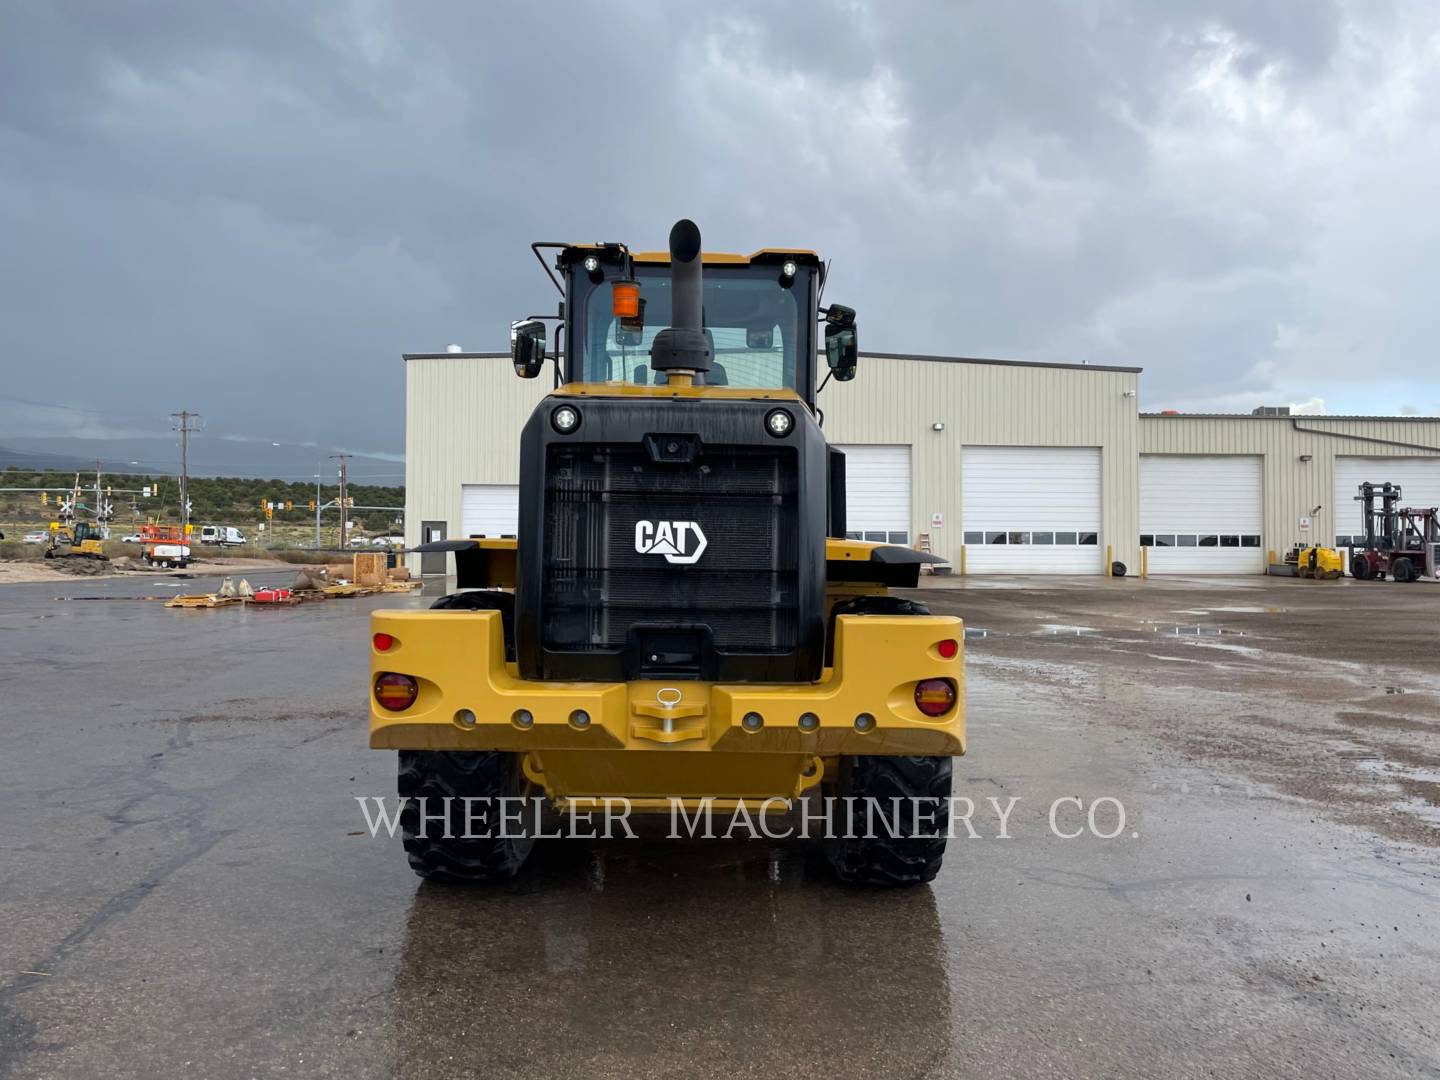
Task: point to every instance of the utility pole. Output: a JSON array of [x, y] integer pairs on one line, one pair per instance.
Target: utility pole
[[185, 422], [344, 513]]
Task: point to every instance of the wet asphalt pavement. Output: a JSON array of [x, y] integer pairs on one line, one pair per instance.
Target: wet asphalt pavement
[[187, 887]]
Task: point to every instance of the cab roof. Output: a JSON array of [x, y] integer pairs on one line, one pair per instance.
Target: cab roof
[[724, 258], [707, 258]]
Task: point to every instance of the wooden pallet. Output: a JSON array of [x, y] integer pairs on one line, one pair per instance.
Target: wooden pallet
[[201, 600], [341, 592]]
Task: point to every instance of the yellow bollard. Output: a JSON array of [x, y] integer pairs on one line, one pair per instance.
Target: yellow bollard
[[962, 560]]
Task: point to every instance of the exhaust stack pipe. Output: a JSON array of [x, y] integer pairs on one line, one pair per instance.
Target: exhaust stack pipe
[[682, 349], [687, 275]]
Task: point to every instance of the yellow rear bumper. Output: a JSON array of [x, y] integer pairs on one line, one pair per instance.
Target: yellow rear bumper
[[471, 699]]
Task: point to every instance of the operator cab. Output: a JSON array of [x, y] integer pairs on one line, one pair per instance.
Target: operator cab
[[759, 314], [677, 491]]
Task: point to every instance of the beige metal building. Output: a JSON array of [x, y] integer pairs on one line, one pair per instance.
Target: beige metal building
[[999, 466]]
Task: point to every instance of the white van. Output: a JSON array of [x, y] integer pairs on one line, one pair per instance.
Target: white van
[[224, 535]]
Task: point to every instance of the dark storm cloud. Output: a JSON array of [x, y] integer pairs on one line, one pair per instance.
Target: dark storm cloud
[[252, 210]]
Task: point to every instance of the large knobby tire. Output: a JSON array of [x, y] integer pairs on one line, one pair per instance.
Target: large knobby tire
[[435, 775], [485, 600], [914, 856], [1402, 570], [1360, 568]]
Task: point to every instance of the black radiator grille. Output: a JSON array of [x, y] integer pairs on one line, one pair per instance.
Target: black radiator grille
[[744, 587]]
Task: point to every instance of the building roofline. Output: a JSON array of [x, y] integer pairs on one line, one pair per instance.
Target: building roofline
[[1000, 363], [455, 355], [863, 353], [1302, 417]]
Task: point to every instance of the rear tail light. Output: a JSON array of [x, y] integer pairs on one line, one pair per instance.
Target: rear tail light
[[396, 692], [935, 697], [383, 642], [948, 649]]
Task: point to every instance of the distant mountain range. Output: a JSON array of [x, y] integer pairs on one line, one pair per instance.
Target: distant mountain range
[[208, 457]]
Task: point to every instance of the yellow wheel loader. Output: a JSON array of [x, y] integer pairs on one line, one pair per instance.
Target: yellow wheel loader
[[682, 625]]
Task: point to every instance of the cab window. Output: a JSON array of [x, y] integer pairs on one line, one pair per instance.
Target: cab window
[[752, 320]]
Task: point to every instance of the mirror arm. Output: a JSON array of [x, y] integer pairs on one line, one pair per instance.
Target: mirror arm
[[559, 337], [559, 321], [535, 247]]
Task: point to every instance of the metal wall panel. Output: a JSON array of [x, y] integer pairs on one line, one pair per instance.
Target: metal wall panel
[[1299, 470], [464, 413], [897, 400]]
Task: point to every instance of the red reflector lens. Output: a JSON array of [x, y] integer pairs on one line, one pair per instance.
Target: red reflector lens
[[395, 692], [383, 642], [948, 649], [935, 697]]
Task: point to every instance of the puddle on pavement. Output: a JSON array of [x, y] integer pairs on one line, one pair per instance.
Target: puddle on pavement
[[1063, 630], [1196, 630], [1419, 787], [972, 632], [1394, 689]]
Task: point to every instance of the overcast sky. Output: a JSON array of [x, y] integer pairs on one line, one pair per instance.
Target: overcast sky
[[253, 209]]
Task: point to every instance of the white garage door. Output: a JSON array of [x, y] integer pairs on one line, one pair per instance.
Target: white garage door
[[490, 509], [1031, 509], [1201, 514], [877, 493], [1419, 480]]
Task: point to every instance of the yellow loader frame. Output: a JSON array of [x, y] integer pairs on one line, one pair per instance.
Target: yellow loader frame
[[652, 740]]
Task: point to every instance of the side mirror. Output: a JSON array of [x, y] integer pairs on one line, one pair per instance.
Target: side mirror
[[842, 351], [527, 347]]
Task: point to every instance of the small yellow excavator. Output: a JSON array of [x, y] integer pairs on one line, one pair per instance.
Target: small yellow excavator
[[80, 541]]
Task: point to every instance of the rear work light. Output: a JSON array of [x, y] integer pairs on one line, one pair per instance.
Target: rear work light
[[935, 697], [397, 692]]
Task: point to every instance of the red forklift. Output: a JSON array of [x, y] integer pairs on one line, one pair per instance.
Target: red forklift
[[1403, 542]]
